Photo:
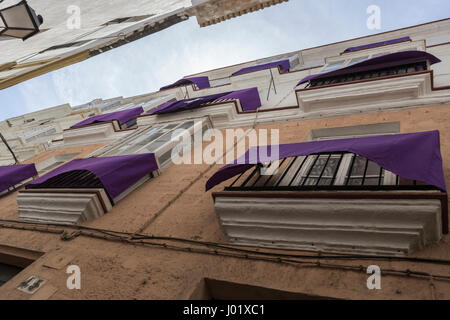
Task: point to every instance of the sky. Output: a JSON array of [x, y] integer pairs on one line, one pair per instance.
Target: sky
[[147, 64]]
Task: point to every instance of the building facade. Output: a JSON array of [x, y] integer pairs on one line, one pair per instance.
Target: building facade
[[76, 31], [362, 166]]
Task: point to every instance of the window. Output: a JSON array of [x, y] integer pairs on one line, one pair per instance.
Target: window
[[14, 260], [46, 133], [86, 189], [325, 172], [396, 63], [7, 272], [127, 20], [338, 170], [108, 107], [357, 60], [212, 289], [326, 201], [54, 162], [155, 139], [370, 74], [333, 66]]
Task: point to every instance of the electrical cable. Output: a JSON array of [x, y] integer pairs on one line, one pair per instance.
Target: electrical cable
[[106, 235], [135, 238]]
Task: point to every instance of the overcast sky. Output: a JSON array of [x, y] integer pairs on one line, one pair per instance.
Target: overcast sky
[[159, 59]]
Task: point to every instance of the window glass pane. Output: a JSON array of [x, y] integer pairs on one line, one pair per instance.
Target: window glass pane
[[311, 182], [332, 166], [155, 146], [171, 126], [136, 143], [365, 172], [318, 166], [325, 181], [316, 170], [330, 170], [140, 142], [359, 165], [356, 60], [187, 125], [371, 181], [373, 169], [354, 182], [165, 157], [7, 272], [334, 66], [372, 174]]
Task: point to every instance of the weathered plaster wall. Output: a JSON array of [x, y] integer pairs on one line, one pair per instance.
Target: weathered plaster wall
[[175, 204]]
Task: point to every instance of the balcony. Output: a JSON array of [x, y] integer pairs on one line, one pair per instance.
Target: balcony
[[84, 189], [220, 108], [371, 74], [388, 81], [330, 202]]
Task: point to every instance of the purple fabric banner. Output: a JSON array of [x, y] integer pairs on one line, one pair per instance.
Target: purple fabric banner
[[116, 173], [186, 104], [385, 61], [200, 82], [121, 116], [249, 99], [12, 175], [413, 156], [285, 65], [377, 44]]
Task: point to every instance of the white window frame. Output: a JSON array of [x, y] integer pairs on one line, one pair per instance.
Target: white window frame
[[53, 162], [121, 146]]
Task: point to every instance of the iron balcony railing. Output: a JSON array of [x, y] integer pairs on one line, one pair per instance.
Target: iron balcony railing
[[324, 171], [372, 74], [77, 179]]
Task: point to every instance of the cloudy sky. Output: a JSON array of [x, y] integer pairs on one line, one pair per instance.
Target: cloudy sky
[[149, 63]]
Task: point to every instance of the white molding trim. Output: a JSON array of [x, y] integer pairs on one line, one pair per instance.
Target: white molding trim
[[366, 95], [102, 133], [361, 226], [69, 208]]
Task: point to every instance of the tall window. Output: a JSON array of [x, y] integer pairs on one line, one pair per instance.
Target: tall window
[[155, 139], [321, 171], [337, 170], [333, 66]]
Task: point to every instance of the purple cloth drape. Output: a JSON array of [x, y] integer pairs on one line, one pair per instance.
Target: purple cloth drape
[[385, 61], [285, 65], [413, 156], [186, 104], [249, 99], [12, 175], [116, 173], [200, 82], [377, 44], [121, 116]]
